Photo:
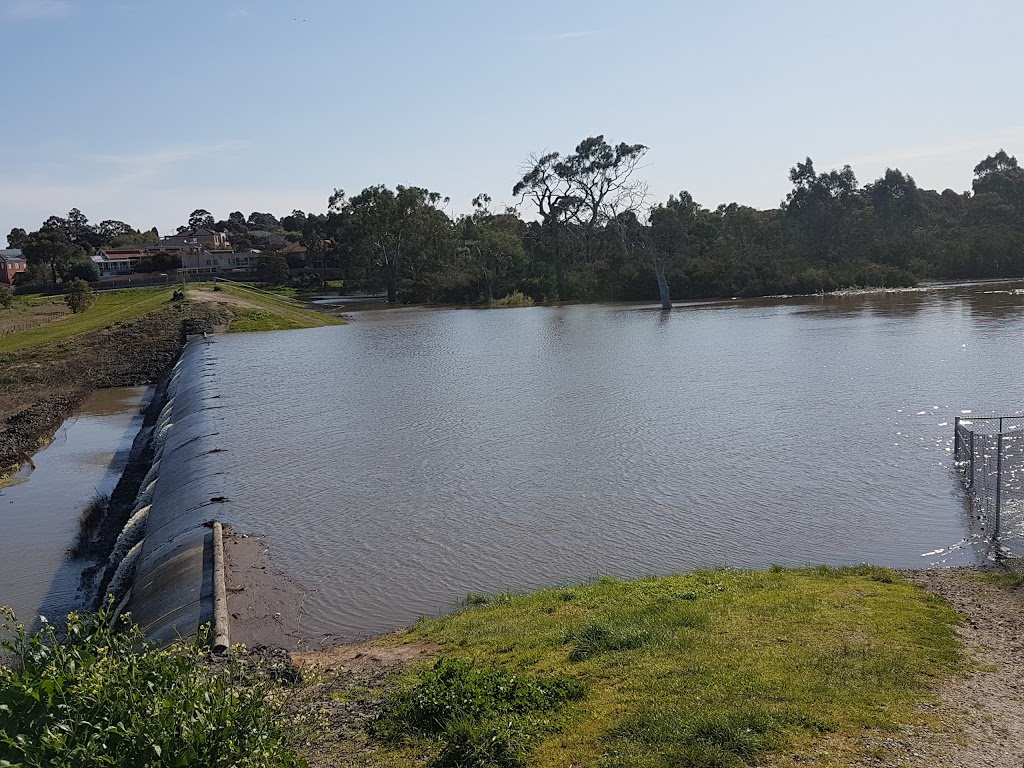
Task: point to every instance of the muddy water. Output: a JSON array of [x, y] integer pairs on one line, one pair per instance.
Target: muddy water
[[412, 457], [40, 511]]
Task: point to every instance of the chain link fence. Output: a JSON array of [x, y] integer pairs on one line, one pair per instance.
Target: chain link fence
[[989, 454]]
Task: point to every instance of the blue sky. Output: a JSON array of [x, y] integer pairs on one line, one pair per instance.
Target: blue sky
[[143, 111]]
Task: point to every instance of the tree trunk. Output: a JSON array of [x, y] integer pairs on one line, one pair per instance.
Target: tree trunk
[[659, 270]]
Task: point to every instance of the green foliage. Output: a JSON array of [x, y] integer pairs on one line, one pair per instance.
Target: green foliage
[[79, 296], [514, 299], [484, 715], [272, 269], [6, 297], [100, 696]]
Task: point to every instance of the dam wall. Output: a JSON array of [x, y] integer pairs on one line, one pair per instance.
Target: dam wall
[[166, 550]]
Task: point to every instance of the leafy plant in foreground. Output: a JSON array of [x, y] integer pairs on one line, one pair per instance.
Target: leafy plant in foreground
[[99, 694]]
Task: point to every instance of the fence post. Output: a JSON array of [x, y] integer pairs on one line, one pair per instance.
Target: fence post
[[999, 480], [956, 439], [972, 458]]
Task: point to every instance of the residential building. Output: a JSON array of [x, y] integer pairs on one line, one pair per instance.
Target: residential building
[[12, 262], [118, 261], [206, 239], [217, 262]]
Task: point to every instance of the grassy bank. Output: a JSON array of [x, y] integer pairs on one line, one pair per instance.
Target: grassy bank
[[111, 307], [257, 310], [715, 668]]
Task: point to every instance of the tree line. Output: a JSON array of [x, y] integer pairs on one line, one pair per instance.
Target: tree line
[[584, 228]]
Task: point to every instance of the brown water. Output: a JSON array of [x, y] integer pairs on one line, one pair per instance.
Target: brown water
[[399, 463], [40, 513]]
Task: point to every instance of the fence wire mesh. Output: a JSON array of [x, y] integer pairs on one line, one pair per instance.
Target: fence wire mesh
[[990, 456]]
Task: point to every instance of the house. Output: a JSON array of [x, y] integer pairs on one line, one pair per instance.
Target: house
[[295, 250], [217, 262], [118, 261], [12, 262], [205, 239]]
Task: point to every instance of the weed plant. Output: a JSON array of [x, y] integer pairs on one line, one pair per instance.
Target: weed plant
[[97, 694]]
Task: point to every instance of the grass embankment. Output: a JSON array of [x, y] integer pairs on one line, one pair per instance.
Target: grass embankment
[[111, 307], [258, 310], [716, 668]]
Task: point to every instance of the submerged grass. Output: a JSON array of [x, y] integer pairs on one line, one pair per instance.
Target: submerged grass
[[714, 668]]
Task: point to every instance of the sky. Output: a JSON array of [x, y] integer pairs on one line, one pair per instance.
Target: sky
[[144, 111]]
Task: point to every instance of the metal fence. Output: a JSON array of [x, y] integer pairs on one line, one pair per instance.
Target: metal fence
[[989, 453]]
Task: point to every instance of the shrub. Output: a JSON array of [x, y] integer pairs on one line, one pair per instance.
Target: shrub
[[78, 295], [514, 299], [6, 297], [101, 695]]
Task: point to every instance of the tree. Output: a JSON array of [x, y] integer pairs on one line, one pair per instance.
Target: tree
[[264, 221], [819, 204], [1001, 176], [200, 219], [6, 297], [581, 193], [396, 230], [294, 222], [17, 238], [78, 295], [272, 269], [897, 202], [50, 249]]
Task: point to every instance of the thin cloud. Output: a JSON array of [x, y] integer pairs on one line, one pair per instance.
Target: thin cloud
[[923, 152], [27, 10], [147, 166]]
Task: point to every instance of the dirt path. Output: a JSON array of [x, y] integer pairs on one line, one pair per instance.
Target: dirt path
[[984, 709]]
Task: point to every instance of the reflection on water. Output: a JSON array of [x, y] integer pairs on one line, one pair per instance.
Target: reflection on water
[[399, 463], [40, 514]]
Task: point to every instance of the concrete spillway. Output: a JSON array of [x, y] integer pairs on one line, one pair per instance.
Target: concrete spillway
[[172, 593]]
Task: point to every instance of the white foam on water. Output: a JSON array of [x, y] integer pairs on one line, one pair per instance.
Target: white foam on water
[[130, 535]]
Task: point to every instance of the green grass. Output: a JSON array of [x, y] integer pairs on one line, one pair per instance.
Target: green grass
[[715, 668], [1008, 576], [274, 313], [110, 307]]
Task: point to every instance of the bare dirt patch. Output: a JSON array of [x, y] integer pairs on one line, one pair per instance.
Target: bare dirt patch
[[345, 688]]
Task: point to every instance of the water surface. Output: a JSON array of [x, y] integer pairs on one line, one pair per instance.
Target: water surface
[[40, 513], [412, 457]]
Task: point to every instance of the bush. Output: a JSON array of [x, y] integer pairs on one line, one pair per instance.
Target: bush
[[78, 295], [100, 695], [6, 297], [514, 299]]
